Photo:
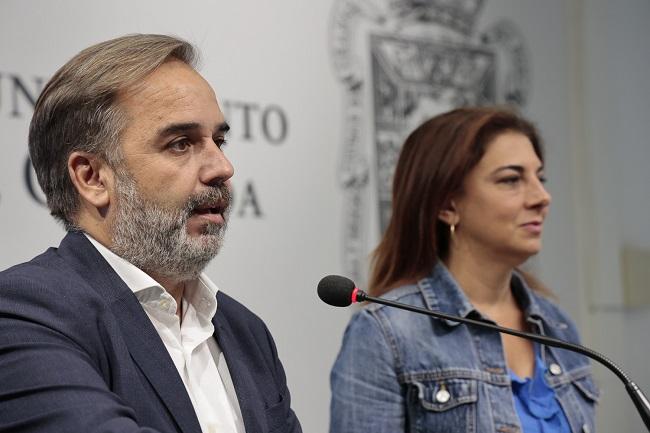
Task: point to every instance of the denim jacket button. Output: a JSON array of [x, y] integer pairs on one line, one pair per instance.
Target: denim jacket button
[[443, 396], [555, 369]]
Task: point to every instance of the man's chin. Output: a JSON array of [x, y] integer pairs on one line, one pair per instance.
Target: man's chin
[[205, 233], [207, 237]]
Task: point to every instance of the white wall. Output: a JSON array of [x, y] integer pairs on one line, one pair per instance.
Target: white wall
[[613, 204]]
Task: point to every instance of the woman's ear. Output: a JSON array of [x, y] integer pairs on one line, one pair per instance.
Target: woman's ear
[[90, 176], [449, 214]]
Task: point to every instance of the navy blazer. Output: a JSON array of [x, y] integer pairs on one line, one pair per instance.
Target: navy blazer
[[78, 354]]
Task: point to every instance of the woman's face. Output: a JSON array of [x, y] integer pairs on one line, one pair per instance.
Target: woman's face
[[502, 207]]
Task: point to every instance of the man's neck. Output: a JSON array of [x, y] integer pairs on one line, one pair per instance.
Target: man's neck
[[172, 286]]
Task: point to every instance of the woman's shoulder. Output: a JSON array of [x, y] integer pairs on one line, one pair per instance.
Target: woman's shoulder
[[373, 314], [402, 292], [556, 319]]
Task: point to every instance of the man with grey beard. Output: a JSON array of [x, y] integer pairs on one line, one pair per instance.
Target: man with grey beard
[[152, 237], [118, 329]]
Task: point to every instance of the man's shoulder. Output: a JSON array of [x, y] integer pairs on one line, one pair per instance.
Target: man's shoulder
[[44, 267], [47, 294], [46, 280], [233, 309]]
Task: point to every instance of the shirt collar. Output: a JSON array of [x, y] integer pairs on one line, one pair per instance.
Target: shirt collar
[[200, 293], [135, 278]]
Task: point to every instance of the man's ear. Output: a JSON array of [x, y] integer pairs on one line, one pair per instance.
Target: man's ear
[[449, 214], [90, 175]]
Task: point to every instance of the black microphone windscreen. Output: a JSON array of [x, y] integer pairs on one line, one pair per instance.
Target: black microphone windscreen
[[336, 290]]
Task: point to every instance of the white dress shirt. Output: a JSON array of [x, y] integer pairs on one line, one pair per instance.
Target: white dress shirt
[[190, 342]]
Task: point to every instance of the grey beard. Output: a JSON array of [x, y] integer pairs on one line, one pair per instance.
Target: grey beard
[[155, 238]]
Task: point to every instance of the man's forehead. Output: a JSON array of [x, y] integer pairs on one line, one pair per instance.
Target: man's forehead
[[173, 80], [171, 92], [171, 98]]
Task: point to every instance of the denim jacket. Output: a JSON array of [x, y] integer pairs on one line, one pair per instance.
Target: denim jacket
[[399, 371]]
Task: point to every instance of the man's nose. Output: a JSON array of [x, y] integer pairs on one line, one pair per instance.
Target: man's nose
[[216, 167]]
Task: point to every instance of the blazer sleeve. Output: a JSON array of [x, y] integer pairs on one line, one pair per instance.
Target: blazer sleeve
[[50, 377]]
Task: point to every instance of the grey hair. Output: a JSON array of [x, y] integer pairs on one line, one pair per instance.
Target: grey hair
[[78, 109]]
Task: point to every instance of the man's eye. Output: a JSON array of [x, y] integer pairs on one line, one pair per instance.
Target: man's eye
[[179, 145], [220, 141]]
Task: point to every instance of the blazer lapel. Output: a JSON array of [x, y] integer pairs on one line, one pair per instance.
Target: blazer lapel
[[142, 339], [250, 404], [149, 352]]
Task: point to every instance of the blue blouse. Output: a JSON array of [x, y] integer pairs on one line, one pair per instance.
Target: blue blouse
[[538, 409]]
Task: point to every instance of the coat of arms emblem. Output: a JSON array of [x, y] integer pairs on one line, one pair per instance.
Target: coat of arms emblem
[[400, 62]]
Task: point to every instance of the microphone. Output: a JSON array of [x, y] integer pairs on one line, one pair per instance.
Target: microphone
[[340, 291]]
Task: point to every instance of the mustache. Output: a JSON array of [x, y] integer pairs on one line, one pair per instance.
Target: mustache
[[219, 196]]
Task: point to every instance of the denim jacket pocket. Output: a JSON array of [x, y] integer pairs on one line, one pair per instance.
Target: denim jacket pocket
[[445, 394], [443, 405], [578, 397]]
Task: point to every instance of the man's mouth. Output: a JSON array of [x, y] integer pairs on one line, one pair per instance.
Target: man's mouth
[[212, 211], [207, 210], [212, 206]]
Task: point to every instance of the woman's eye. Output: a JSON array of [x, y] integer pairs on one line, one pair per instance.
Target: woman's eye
[[542, 178], [510, 180]]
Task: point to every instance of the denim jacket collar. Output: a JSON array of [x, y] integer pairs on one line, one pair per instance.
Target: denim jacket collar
[[528, 303], [451, 299]]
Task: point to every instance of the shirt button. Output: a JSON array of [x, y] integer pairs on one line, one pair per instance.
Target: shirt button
[[555, 369], [585, 428], [443, 396]]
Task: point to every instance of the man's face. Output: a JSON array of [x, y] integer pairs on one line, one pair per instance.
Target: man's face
[[172, 189]]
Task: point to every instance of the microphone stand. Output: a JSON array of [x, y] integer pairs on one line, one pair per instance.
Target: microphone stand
[[640, 400]]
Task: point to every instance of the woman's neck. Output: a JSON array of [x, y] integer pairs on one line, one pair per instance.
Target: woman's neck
[[485, 281]]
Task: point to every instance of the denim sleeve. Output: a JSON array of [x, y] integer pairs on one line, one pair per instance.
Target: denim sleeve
[[366, 394]]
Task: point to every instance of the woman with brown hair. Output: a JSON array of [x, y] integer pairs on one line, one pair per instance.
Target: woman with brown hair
[[468, 208]]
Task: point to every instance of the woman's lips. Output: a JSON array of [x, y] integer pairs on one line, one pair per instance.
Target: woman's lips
[[534, 227]]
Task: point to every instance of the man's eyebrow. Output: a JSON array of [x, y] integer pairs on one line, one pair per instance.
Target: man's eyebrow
[[222, 127], [180, 128]]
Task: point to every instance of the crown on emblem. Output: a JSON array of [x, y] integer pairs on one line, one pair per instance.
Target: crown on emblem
[[456, 14]]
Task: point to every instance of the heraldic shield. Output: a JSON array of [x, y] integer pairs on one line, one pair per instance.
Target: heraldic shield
[[401, 62], [412, 80]]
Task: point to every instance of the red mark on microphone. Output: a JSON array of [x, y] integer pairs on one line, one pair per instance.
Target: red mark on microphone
[[354, 295]]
